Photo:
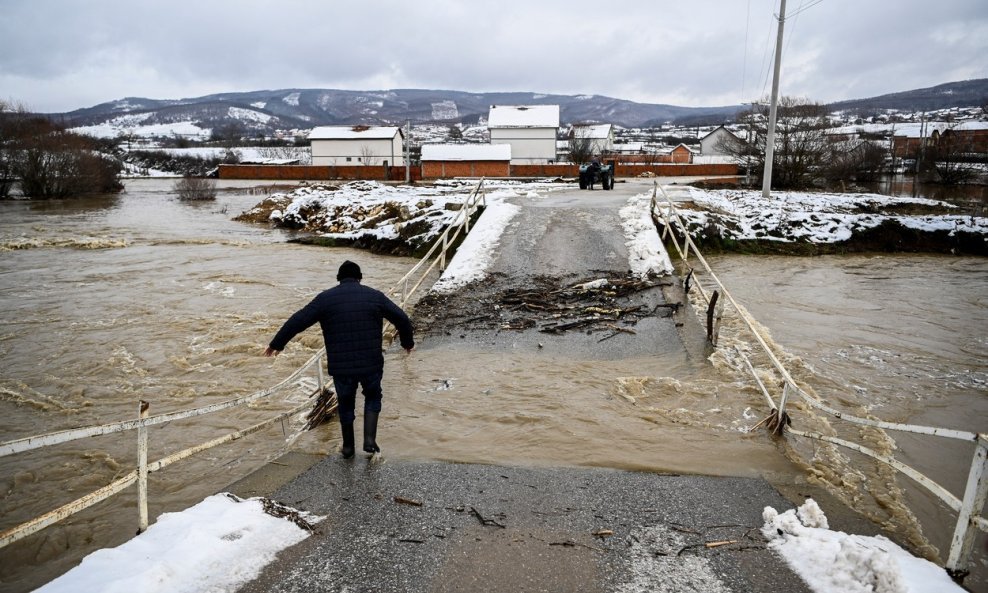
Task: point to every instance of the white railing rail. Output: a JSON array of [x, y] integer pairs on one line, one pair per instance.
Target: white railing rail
[[461, 222], [438, 252], [969, 509]]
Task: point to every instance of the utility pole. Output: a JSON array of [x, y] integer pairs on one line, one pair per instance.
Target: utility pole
[[408, 151], [773, 110]]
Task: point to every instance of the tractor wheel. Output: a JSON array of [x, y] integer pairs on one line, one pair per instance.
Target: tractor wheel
[[606, 182], [583, 181]]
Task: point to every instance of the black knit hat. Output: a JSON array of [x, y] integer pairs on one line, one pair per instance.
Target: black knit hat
[[348, 269]]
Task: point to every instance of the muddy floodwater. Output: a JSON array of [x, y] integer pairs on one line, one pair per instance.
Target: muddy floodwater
[[111, 300]]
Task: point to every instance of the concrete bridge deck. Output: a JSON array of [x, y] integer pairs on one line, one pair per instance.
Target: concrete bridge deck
[[435, 527]]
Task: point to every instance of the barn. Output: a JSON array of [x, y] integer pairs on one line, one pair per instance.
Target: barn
[[368, 146]]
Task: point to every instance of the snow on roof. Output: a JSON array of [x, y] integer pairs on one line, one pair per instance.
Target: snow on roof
[[466, 152], [523, 116], [593, 131], [353, 132], [717, 129]]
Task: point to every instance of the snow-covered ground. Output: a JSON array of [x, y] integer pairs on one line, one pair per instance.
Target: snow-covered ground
[[376, 212], [216, 545], [836, 562], [813, 217], [133, 125]]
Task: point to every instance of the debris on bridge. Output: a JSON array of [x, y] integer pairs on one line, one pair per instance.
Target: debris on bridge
[[598, 304]]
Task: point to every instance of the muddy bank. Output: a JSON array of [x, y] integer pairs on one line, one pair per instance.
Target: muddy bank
[[888, 237], [805, 223]]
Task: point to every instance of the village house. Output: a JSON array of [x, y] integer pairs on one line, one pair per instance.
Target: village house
[[529, 129], [466, 160], [368, 146], [599, 137], [713, 144], [967, 137]]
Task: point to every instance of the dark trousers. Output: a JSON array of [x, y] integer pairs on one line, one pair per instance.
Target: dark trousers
[[346, 393]]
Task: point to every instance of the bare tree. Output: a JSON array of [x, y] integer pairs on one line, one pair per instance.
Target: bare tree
[[302, 154], [49, 161], [949, 159], [367, 156], [801, 145], [581, 148]]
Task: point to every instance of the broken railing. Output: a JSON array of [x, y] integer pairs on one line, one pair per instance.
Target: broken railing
[[969, 509], [144, 468], [325, 405]]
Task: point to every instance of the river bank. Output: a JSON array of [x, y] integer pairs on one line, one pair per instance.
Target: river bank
[[77, 351], [820, 223]]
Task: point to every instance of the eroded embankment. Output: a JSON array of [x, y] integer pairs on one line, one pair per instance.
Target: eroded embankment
[[802, 223]]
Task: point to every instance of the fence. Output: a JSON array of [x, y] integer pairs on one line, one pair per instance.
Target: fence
[[438, 252], [969, 509]]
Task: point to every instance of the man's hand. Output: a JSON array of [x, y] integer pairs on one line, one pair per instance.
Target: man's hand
[[269, 352]]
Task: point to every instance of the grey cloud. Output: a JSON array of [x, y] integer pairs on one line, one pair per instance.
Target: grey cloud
[[65, 55]]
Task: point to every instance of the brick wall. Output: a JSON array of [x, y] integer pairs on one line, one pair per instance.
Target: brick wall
[[315, 172], [544, 170], [444, 169], [438, 170], [634, 170]]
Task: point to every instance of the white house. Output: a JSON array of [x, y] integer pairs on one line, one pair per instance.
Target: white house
[[600, 137], [529, 129], [466, 152], [712, 144], [357, 145]]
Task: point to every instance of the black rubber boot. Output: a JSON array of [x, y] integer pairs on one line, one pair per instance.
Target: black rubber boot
[[370, 432], [348, 449]]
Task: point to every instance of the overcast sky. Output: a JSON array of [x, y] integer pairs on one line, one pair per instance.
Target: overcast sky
[[60, 55]]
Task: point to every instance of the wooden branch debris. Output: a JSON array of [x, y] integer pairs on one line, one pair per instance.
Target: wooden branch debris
[[408, 501], [486, 521], [324, 409], [550, 304]]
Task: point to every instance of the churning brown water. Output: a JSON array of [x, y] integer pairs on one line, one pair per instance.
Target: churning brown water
[[107, 301]]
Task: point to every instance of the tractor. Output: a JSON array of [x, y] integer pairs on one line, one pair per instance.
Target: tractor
[[594, 172]]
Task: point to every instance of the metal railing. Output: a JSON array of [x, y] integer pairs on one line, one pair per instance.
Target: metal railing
[[969, 509], [139, 476], [461, 222]]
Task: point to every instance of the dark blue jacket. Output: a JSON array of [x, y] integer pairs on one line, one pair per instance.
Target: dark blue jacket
[[350, 315]]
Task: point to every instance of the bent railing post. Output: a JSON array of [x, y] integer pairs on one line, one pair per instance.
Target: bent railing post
[[142, 469], [974, 502]]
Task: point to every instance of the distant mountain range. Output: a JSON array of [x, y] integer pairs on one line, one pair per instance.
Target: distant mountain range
[[286, 109]]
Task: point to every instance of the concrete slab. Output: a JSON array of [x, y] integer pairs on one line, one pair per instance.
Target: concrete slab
[[438, 527]]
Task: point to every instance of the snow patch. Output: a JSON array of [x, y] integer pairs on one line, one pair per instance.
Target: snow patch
[[646, 255], [216, 545], [835, 562], [249, 115], [291, 99], [445, 110], [476, 253]]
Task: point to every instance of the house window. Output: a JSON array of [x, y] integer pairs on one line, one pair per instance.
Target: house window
[[348, 159]]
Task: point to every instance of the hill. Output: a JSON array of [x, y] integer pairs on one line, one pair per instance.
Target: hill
[[263, 112]]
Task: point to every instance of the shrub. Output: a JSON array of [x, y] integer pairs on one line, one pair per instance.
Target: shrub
[[191, 188]]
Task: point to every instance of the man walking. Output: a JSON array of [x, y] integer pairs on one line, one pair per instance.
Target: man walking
[[351, 316]]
